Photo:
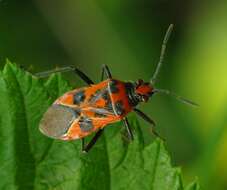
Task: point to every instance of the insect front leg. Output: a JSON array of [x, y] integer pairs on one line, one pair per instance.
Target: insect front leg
[[149, 120], [106, 71], [86, 148], [128, 128], [78, 72]]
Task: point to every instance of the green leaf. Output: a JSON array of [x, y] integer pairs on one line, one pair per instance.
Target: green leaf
[[193, 186], [29, 160]]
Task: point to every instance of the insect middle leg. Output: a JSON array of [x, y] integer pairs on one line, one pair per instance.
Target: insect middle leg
[[78, 72], [147, 119], [106, 71], [128, 128], [86, 148]]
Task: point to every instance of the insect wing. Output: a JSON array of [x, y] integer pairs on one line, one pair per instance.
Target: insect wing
[[57, 120], [90, 120], [79, 112]]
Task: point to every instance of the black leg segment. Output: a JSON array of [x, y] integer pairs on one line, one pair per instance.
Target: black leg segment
[[144, 116], [83, 76], [147, 119], [86, 148], [106, 71], [128, 128]]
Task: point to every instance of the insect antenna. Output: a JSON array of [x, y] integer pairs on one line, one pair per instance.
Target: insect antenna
[[162, 54], [179, 98]]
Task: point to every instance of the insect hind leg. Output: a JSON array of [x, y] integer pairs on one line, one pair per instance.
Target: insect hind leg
[[78, 72], [128, 128], [87, 147]]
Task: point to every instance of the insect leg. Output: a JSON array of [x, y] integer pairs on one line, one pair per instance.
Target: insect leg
[[128, 128], [82, 75], [147, 119], [86, 148], [106, 70], [144, 116]]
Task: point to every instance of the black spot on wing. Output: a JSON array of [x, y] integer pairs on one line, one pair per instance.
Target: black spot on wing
[[85, 124], [106, 95], [76, 112], [108, 103], [109, 106], [113, 86], [79, 97], [119, 108], [94, 97]]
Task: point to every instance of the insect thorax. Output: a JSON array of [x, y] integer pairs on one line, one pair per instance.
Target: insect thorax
[[130, 90]]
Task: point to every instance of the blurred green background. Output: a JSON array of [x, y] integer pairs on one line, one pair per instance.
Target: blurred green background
[[126, 35]]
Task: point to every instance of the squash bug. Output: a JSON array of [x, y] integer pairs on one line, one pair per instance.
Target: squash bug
[[88, 110]]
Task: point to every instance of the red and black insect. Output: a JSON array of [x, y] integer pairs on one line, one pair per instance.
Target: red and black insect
[[88, 110]]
